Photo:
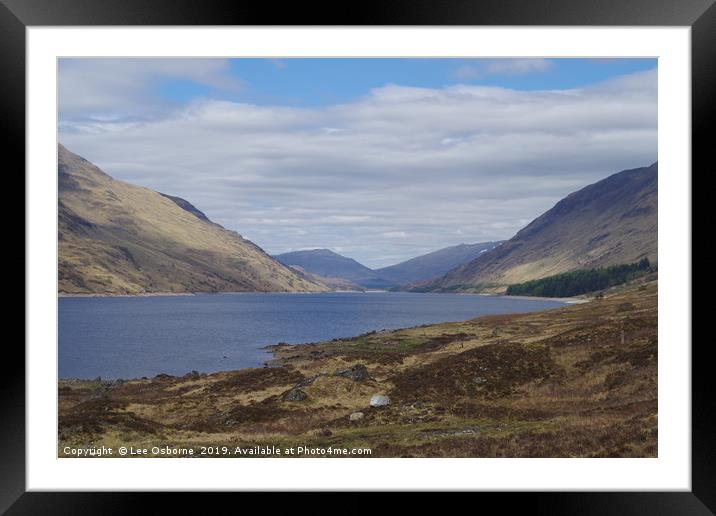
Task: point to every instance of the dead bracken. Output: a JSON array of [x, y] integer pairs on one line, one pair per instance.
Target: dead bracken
[[579, 381]]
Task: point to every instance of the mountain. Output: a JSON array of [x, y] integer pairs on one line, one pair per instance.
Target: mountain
[[433, 264], [118, 238], [335, 284], [613, 221], [327, 264]]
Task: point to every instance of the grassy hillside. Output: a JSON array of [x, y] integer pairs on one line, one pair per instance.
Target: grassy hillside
[[613, 221], [117, 238], [579, 381]]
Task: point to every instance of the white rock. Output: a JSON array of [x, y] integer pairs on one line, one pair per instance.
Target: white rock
[[379, 400], [356, 416]]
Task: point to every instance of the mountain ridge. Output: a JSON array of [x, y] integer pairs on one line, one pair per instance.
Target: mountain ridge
[[434, 263], [116, 238], [610, 222], [331, 265]]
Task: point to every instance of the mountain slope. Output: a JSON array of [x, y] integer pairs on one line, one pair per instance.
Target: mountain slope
[[330, 265], [335, 284], [613, 221], [437, 263], [117, 238]]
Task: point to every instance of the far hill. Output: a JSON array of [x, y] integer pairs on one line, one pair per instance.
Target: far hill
[[335, 284], [611, 222], [433, 264], [118, 238], [333, 266]]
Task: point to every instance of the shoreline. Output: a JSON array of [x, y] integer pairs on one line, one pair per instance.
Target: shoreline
[[273, 348], [177, 294], [541, 384], [566, 300], [145, 294]]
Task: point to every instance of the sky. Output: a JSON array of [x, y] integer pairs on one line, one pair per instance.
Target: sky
[[380, 160]]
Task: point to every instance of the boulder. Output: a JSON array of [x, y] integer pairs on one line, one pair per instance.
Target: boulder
[[379, 400], [358, 372], [356, 416], [295, 395], [309, 381]]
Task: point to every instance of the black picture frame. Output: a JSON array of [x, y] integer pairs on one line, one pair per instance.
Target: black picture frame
[[17, 15]]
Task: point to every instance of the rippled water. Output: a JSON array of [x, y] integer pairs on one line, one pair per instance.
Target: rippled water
[[131, 337]]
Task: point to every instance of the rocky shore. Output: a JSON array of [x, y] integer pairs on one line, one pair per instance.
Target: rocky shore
[[578, 381]]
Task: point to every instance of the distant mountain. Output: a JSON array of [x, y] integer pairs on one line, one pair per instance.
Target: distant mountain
[[433, 264], [330, 265], [613, 221], [334, 284], [346, 273], [117, 238]]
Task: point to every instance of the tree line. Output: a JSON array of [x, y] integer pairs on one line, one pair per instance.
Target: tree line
[[582, 281]]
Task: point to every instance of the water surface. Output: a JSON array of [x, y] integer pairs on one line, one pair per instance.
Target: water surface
[[131, 337]]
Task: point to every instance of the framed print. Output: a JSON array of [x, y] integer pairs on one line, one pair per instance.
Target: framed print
[[414, 248]]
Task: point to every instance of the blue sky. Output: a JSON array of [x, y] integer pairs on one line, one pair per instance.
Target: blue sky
[[319, 82], [377, 159]]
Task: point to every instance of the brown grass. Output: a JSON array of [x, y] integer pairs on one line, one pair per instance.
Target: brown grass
[[579, 381]]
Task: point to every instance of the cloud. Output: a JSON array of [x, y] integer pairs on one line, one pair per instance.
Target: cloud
[[486, 67], [467, 72], [518, 66], [399, 172], [278, 64], [121, 88]]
